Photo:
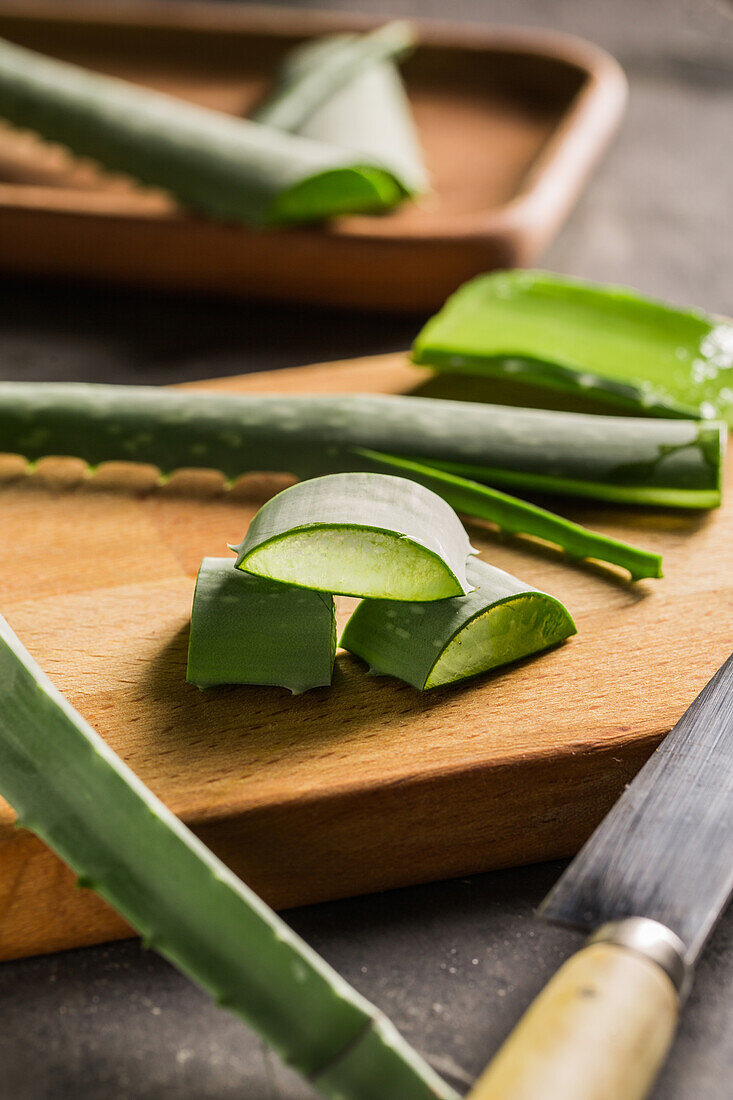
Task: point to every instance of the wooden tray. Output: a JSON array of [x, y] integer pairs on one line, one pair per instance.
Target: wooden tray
[[369, 784], [511, 122]]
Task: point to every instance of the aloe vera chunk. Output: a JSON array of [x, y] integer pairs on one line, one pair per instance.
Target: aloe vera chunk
[[69, 788], [230, 168], [429, 645], [607, 342], [245, 630], [346, 90], [360, 534]]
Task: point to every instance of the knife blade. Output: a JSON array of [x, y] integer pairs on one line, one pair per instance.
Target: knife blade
[[650, 885]]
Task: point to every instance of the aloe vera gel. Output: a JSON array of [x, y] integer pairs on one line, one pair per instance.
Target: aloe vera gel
[[369, 535], [431, 645]]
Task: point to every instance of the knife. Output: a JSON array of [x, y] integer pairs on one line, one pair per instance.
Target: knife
[[649, 885]]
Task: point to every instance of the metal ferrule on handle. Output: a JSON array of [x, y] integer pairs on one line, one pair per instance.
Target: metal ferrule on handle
[[653, 941]]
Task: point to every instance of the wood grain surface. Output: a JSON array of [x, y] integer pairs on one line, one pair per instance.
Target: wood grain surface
[[511, 123], [367, 785]]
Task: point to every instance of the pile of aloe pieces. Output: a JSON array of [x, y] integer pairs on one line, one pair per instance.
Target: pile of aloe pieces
[[430, 614], [372, 515]]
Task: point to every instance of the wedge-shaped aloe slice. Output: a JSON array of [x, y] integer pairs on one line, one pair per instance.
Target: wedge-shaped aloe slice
[[360, 535], [69, 788], [245, 630], [430, 645], [227, 167], [345, 90], [605, 341]]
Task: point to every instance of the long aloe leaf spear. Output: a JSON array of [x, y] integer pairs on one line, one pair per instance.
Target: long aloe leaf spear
[[227, 167], [69, 788], [669, 462]]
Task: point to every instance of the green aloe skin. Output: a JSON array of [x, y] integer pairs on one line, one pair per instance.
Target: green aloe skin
[[360, 534], [246, 630], [229, 168], [430, 645], [346, 90], [69, 788], [610, 343], [451, 446]]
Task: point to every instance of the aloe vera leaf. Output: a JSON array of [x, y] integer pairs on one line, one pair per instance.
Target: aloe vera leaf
[[432, 644], [69, 788], [603, 341], [359, 534], [226, 167], [345, 90], [519, 517], [622, 459], [245, 630]]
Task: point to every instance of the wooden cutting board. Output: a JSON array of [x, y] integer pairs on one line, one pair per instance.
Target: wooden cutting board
[[367, 785]]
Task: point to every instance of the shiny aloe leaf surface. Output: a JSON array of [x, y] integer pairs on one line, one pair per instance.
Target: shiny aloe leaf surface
[[564, 334]]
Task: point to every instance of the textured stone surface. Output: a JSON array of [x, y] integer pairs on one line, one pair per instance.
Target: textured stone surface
[[455, 963]]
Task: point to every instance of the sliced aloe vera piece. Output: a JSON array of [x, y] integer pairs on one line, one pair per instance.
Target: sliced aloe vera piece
[[69, 788], [227, 167], [345, 90], [578, 337], [360, 534], [432, 644], [245, 630]]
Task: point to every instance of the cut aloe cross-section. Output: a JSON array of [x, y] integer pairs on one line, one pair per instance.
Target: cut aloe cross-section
[[246, 630], [360, 535], [602, 341], [430, 645]]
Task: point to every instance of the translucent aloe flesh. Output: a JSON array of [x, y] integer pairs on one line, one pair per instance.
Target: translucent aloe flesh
[[360, 534], [609, 342], [628, 460], [432, 644], [69, 788], [345, 90], [227, 167], [245, 630]]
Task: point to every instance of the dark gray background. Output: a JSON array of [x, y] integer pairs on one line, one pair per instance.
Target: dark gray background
[[454, 964]]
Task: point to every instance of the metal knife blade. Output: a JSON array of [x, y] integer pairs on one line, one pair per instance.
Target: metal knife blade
[[665, 850]]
